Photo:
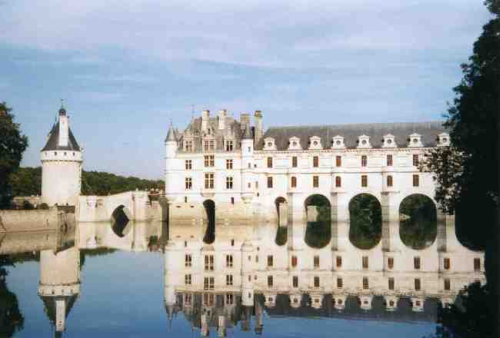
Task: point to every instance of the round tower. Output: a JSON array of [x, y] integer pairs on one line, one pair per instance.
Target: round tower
[[62, 162], [59, 284], [247, 287], [170, 163]]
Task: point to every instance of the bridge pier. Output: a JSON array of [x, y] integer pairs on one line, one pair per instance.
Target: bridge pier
[[340, 220], [390, 221], [296, 221]]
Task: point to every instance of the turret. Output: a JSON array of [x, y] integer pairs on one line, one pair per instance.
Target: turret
[[247, 164], [172, 266], [170, 162], [62, 162], [59, 285]]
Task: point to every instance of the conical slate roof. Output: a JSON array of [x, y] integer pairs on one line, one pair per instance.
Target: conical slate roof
[[53, 141], [171, 134], [49, 303]]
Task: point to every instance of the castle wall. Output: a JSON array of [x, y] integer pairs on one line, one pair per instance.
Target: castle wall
[[33, 220]]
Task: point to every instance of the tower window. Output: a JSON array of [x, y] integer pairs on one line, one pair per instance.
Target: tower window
[[391, 283], [295, 281], [270, 182], [364, 160], [364, 181], [447, 264], [389, 181], [316, 262], [365, 262], [316, 161], [189, 164], [390, 263], [315, 181], [269, 261], [339, 261], [447, 284], [294, 261], [416, 263], [338, 181], [338, 161], [389, 160], [269, 162], [340, 283], [269, 281], [316, 281], [229, 164], [416, 181], [417, 284], [294, 182], [294, 162], [366, 285]]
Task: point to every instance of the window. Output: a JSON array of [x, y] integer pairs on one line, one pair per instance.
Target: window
[[389, 160], [269, 182], [208, 298], [294, 261], [316, 281], [188, 299], [416, 263], [339, 261], [390, 263], [187, 279], [269, 261], [229, 164], [189, 183], [416, 180], [477, 264], [269, 162], [229, 280], [209, 263], [229, 146], [417, 284], [315, 181], [389, 181], [229, 182], [229, 299], [447, 284], [209, 145], [364, 181], [295, 162], [188, 145], [365, 262], [391, 283], [294, 182], [364, 160], [340, 283], [315, 161], [366, 285], [415, 160], [269, 281], [229, 261], [209, 161], [338, 181], [208, 283], [295, 281], [209, 180], [338, 161], [447, 264], [316, 262], [189, 164], [188, 261]]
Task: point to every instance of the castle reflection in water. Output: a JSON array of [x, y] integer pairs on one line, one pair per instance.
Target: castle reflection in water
[[244, 274]]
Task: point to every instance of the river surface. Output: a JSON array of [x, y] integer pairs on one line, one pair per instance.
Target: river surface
[[94, 282]]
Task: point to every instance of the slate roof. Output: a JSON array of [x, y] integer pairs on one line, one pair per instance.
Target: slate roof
[[49, 303], [376, 131], [53, 141]]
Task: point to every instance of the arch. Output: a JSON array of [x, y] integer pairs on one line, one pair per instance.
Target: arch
[[209, 206], [365, 221], [417, 221], [120, 220], [278, 202], [319, 213]]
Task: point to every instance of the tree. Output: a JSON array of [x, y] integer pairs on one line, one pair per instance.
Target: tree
[[12, 146]]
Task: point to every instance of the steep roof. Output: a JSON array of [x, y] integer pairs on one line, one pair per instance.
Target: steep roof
[[376, 131], [49, 303], [53, 141]]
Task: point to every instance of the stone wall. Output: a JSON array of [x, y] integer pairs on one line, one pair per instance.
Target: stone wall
[[34, 220]]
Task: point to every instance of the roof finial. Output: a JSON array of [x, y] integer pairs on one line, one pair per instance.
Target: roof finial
[[62, 111]]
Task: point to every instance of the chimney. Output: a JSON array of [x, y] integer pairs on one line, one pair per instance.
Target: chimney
[[244, 120], [259, 129], [205, 115], [222, 118]]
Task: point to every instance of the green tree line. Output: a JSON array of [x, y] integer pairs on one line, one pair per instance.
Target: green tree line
[[28, 181]]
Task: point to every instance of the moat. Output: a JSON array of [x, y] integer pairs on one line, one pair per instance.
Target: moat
[[136, 279]]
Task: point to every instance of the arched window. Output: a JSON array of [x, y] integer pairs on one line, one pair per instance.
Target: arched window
[[294, 182], [389, 181]]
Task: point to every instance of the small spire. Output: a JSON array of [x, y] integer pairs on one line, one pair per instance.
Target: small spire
[[171, 133]]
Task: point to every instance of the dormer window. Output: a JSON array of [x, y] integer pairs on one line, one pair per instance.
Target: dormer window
[[315, 143], [415, 140], [338, 142], [188, 145], [389, 141], [294, 143], [443, 139], [269, 144], [229, 145], [364, 141]]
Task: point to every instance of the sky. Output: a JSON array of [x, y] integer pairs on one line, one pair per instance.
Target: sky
[[126, 68]]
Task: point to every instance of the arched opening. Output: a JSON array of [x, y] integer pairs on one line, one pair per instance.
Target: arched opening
[[281, 210], [281, 236], [417, 221], [209, 206], [318, 212], [120, 219], [365, 214]]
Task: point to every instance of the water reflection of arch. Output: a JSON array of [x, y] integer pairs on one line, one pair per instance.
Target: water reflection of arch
[[365, 221], [210, 211], [417, 221], [121, 221], [281, 209], [318, 210]]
